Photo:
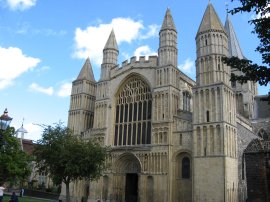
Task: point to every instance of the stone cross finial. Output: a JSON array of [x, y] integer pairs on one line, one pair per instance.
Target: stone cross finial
[[227, 7]]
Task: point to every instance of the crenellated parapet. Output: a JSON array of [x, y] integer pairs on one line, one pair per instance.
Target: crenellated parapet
[[97, 134], [133, 63]]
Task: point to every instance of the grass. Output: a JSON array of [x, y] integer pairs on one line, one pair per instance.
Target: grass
[[25, 199]]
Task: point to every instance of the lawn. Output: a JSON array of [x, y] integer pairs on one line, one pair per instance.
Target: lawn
[[25, 199]]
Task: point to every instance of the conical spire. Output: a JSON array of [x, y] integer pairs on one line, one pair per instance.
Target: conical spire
[[168, 21], [86, 71], [210, 20], [111, 43], [233, 44]]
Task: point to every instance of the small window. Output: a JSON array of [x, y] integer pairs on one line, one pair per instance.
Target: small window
[[233, 83], [206, 42], [207, 116]]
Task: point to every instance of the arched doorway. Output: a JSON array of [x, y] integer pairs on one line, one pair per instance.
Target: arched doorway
[[257, 158], [128, 166], [131, 189], [182, 186]]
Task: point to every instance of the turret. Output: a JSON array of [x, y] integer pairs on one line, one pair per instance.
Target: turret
[[81, 112], [245, 92], [212, 45], [214, 117], [110, 55], [167, 51]]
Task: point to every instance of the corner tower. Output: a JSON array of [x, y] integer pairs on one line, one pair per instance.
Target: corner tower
[[82, 101], [167, 51], [110, 55], [245, 92], [214, 117]]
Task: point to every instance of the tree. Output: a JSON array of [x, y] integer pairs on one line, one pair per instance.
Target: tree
[[67, 158], [252, 71], [14, 163]]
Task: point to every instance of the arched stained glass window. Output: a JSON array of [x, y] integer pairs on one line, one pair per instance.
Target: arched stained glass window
[[133, 113]]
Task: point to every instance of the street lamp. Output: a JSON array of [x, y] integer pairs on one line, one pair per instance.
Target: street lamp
[[4, 123]]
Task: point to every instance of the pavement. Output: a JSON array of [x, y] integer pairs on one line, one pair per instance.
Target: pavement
[[18, 194]]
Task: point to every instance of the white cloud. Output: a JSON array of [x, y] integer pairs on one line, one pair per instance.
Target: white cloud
[[20, 4], [36, 88], [260, 15], [13, 63], [153, 31], [65, 90], [34, 131], [91, 41], [144, 51], [188, 66]]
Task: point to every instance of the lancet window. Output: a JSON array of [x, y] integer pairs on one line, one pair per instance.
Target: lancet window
[[186, 101], [133, 113]]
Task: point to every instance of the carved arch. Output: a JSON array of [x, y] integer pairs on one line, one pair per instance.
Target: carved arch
[[127, 163]]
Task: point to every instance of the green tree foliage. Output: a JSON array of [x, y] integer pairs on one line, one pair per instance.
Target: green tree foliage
[[68, 158], [252, 71], [14, 163]]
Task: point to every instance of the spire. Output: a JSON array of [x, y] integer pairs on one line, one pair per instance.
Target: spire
[[86, 71], [233, 44], [111, 43], [210, 20], [168, 21]]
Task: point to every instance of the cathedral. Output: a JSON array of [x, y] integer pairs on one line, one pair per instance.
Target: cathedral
[[170, 138]]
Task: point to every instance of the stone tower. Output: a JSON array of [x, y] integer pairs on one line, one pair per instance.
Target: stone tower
[[110, 55], [166, 72], [245, 92], [82, 101], [167, 51], [214, 117]]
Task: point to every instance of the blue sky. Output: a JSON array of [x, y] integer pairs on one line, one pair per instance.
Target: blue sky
[[44, 43]]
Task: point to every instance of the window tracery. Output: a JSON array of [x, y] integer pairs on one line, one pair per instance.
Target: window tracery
[[133, 113]]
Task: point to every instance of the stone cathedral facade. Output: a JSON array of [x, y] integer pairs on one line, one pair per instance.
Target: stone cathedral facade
[[171, 138]]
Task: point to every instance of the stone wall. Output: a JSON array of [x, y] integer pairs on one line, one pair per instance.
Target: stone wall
[[257, 186], [245, 136]]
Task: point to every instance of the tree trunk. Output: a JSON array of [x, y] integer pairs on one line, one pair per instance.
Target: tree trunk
[[67, 192]]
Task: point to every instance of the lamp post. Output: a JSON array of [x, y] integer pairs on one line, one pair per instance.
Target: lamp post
[[4, 123]]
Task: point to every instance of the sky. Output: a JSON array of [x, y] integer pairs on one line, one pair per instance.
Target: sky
[[44, 44]]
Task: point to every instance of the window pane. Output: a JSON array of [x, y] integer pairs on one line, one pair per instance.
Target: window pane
[[115, 135], [140, 111], [121, 113], [144, 110], [129, 134], [120, 135], [117, 114], [125, 135], [148, 141], [149, 110], [135, 112], [139, 134], [130, 112], [134, 134], [126, 113], [186, 168], [144, 133]]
